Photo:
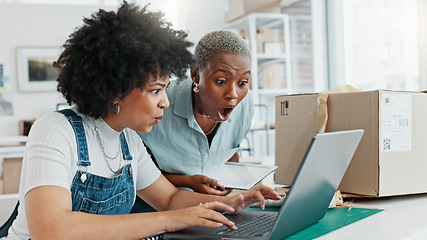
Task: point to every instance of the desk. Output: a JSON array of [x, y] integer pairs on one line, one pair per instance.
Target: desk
[[404, 217]]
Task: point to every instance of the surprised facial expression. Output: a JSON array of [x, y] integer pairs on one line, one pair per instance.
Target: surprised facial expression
[[142, 109], [223, 83]]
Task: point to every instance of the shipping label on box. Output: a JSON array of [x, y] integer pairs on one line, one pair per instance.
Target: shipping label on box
[[396, 122], [390, 159]]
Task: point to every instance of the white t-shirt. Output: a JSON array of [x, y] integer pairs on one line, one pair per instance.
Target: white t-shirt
[[51, 159]]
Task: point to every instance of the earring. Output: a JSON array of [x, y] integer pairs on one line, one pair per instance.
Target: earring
[[114, 108], [195, 87]]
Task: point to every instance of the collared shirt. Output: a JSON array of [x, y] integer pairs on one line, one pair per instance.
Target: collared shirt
[[180, 146]]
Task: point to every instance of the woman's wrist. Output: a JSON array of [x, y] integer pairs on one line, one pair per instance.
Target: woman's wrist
[[163, 217], [187, 181], [179, 180]]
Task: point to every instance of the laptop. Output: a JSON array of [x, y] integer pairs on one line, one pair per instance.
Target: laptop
[[315, 183]]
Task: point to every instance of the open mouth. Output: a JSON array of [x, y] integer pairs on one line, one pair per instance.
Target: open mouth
[[157, 119], [225, 112]]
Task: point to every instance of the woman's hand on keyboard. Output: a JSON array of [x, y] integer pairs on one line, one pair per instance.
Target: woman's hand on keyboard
[[202, 215]]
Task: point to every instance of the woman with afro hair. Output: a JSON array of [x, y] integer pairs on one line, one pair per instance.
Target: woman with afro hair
[[84, 166]]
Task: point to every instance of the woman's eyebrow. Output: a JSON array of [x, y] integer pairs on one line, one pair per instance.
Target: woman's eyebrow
[[226, 72], [158, 83]]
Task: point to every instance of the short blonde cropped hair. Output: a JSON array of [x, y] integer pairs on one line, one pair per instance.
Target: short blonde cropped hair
[[219, 41]]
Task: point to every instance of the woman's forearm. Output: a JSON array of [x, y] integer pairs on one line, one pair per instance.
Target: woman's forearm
[[178, 180], [49, 216]]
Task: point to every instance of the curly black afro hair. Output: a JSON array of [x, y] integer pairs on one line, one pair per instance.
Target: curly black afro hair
[[116, 52]]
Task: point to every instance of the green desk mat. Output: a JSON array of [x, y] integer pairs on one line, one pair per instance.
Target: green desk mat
[[334, 218]]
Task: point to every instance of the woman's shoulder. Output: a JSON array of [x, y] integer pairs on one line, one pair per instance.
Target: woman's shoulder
[[51, 119], [51, 122], [51, 129]]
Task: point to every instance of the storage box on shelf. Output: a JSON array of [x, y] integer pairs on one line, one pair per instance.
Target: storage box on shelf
[[239, 8], [11, 153], [12, 174], [1, 185], [390, 159]]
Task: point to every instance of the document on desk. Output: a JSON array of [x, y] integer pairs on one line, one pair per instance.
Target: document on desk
[[241, 175]]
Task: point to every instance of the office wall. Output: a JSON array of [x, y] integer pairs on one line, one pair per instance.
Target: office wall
[[25, 25]]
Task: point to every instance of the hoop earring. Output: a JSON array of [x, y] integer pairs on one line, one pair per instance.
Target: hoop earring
[[114, 108], [195, 87]]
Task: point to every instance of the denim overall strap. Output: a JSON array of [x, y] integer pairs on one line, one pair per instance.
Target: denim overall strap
[[77, 124], [125, 148]]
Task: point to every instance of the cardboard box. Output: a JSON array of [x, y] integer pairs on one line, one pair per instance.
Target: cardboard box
[[1, 185], [273, 48], [263, 36], [391, 157], [271, 76], [12, 174], [239, 8]]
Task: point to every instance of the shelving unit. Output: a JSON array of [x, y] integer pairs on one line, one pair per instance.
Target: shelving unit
[[253, 23], [259, 21]]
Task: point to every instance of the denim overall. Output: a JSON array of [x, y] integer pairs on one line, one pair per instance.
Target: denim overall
[[95, 194]]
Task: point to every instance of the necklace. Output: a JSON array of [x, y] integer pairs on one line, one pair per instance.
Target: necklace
[[214, 126], [202, 115], [206, 116], [108, 157]]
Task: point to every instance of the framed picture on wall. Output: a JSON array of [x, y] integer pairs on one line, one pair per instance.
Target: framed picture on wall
[[35, 71]]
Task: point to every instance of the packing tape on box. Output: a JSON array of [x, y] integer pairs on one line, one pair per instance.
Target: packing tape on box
[[322, 105]]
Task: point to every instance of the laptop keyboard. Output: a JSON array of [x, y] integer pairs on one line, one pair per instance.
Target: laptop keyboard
[[253, 227]]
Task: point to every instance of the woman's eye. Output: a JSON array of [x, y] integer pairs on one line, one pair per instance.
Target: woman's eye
[[221, 82], [243, 83]]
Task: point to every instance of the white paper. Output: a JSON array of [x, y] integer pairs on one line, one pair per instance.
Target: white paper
[[396, 122], [241, 175]]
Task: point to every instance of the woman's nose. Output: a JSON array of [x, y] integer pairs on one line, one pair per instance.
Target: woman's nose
[[164, 102], [231, 92]]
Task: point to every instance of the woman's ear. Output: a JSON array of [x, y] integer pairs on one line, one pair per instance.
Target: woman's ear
[[195, 75]]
